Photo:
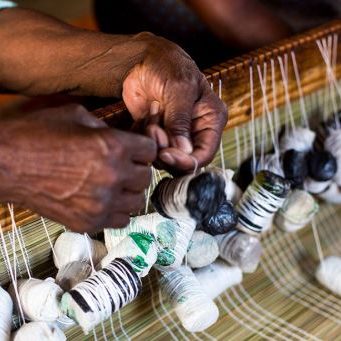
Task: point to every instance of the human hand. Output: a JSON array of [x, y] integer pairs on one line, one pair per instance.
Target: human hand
[[66, 165], [184, 116]]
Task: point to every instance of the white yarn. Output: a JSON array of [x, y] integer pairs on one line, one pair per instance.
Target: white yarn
[[300, 139], [39, 331], [232, 191], [96, 299], [315, 187], [6, 310], [194, 308], [217, 277], [202, 250], [174, 196], [328, 274], [140, 247], [297, 211], [39, 299], [73, 273], [240, 249], [256, 208], [333, 145], [332, 194], [70, 247], [271, 164]]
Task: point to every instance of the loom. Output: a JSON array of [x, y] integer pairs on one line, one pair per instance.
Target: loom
[[286, 83]]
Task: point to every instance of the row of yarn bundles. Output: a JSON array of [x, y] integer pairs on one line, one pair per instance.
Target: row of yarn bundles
[[204, 236]]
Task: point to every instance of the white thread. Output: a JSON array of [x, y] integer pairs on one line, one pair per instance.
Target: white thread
[[300, 91], [252, 121], [286, 91]]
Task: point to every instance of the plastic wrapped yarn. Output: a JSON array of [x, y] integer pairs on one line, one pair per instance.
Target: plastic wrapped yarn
[[297, 211], [6, 310], [240, 249], [141, 249], [172, 237], [299, 139], [202, 250], [93, 301], [70, 247], [328, 274], [295, 167], [217, 277], [195, 197], [222, 222], [332, 194], [41, 331], [333, 145], [261, 200], [194, 308], [39, 299], [322, 165], [71, 274]]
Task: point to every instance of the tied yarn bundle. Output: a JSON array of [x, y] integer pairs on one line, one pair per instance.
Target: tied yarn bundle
[[261, 200], [297, 211], [6, 310], [105, 292], [218, 277], [240, 249], [70, 247], [328, 274], [39, 299], [39, 331], [194, 308], [202, 250]]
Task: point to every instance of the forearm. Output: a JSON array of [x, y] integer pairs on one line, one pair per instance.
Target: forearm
[[243, 23], [41, 55]]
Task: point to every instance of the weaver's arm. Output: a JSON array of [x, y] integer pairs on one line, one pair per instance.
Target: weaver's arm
[[41, 55], [245, 23]]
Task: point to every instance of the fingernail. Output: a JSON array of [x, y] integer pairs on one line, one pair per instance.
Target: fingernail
[[184, 144], [154, 108], [167, 158]]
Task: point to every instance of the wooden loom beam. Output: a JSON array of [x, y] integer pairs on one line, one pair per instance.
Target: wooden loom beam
[[234, 76]]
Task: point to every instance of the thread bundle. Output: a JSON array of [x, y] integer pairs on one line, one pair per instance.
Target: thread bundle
[[108, 290]]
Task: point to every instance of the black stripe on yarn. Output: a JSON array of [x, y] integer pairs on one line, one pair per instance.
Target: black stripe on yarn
[[244, 221], [80, 301], [133, 277], [113, 275]]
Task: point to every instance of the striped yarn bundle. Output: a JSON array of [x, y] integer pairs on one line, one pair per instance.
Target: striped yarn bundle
[[263, 197], [108, 290]]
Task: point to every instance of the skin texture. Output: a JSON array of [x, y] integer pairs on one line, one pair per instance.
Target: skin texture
[[78, 171], [65, 164]]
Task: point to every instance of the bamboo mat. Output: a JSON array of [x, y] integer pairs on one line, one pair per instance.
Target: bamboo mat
[[280, 301]]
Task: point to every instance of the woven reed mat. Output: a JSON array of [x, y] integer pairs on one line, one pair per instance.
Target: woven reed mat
[[280, 301]]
